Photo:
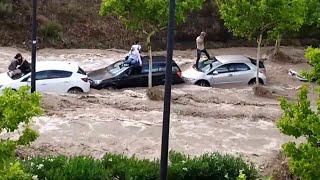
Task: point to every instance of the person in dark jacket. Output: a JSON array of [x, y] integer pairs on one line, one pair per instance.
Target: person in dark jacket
[[19, 66]]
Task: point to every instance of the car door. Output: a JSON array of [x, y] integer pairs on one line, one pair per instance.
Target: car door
[[58, 81], [157, 76], [221, 75], [26, 81], [242, 73], [130, 78], [41, 81]]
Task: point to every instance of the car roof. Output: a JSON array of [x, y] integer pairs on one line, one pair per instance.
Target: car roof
[[57, 65], [232, 59], [155, 59]]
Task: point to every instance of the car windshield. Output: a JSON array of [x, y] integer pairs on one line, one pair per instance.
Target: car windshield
[[116, 68], [209, 64]]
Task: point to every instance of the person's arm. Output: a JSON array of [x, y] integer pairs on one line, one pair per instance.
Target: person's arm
[[13, 65], [25, 66], [140, 60], [130, 52]]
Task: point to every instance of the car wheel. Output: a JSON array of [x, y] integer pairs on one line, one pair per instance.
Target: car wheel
[[253, 81], [203, 83], [75, 90]]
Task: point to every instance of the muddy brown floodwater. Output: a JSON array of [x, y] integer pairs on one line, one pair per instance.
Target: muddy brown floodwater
[[227, 120]]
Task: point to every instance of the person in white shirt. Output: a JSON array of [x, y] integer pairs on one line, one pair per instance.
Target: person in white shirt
[[136, 45], [201, 48], [133, 58]]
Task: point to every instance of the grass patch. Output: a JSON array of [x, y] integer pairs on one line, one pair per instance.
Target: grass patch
[[51, 30]]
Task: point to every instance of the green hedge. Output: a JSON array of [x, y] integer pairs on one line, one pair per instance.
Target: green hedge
[[62, 167], [208, 167], [113, 166]]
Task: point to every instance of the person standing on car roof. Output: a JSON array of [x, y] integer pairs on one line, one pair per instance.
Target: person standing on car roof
[[19, 66], [201, 48]]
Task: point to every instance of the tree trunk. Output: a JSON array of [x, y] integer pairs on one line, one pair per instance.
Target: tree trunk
[[277, 45], [150, 58], [258, 58]]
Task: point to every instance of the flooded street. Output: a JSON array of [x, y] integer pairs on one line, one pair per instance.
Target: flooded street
[[228, 120]]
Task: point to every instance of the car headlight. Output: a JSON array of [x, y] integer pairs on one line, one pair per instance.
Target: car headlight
[[97, 81]]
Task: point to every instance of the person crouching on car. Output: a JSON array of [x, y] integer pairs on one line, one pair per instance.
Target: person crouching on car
[[137, 46], [18, 66], [134, 58]]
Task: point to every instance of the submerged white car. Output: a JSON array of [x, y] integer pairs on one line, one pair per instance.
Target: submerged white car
[[226, 69], [51, 76]]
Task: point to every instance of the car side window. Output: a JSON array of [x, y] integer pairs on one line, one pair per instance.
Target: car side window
[[175, 68], [146, 70], [222, 69], [241, 67], [81, 71], [131, 72], [42, 75], [53, 74], [161, 67]]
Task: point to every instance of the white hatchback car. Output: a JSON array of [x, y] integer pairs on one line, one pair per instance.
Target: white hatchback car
[[51, 76], [226, 69]]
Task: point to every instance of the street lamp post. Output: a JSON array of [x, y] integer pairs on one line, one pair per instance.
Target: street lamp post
[[34, 46], [167, 97]]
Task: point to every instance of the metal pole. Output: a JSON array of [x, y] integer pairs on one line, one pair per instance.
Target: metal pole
[[167, 96], [34, 46]]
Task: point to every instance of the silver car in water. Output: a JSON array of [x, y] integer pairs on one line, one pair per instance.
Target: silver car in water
[[225, 69]]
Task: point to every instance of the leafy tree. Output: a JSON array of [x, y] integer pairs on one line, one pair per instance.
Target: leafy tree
[[5, 8], [299, 120], [313, 13], [149, 16], [313, 56], [262, 18], [16, 111], [288, 16]]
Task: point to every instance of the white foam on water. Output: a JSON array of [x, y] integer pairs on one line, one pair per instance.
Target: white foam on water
[[46, 124]]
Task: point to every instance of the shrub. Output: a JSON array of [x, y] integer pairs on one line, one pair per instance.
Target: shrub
[[209, 166], [13, 170], [313, 56], [113, 166], [16, 111], [299, 120], [5, 8], [66, 168], [51, 30], [123, 167]]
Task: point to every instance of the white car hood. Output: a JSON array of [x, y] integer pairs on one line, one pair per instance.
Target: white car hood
[[5, 79], [192, 74]]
